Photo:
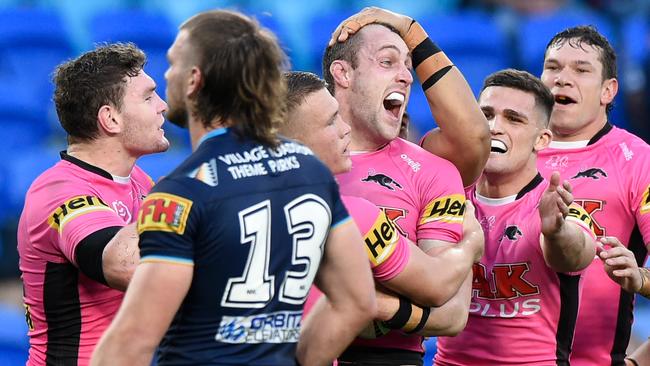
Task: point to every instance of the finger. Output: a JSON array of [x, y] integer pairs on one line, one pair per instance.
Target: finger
[[619, 262], [623, 273], [619, 252], [564, 209], [567, 186], [567, 197], [612, 241]]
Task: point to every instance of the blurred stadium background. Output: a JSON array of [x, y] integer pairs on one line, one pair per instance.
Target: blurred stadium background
[[480, 36]]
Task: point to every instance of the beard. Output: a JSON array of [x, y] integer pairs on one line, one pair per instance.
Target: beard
[[177, 115]]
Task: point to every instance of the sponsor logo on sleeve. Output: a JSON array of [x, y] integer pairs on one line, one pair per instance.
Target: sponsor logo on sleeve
[[645, 201], [380, 240], [580, 216], [446, 209], [164, 212], [75, 207]]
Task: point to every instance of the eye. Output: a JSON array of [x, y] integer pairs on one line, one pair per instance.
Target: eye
[[551, 67], [488, 115], [386, 62]]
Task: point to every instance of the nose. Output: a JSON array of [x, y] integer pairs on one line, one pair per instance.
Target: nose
[[163, 105], [343, 127], [495, 125], [562, 78], [405, 76]]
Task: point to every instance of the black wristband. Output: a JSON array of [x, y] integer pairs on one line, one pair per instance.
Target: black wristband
[[634, 362], [423, 51], [402, 315], [435, 77], [423, 321]]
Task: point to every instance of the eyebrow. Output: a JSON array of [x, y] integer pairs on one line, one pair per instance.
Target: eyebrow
[[513, 113]]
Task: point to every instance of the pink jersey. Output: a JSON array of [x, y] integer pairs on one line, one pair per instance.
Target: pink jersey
[[388, 251], [420, 192], [522, 312], [66, 311], [611, 180]]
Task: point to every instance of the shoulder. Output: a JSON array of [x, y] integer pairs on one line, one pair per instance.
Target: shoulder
[[627, 148], [415, 157]]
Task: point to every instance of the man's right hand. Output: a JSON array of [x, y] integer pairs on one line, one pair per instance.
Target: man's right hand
[[369, 15]]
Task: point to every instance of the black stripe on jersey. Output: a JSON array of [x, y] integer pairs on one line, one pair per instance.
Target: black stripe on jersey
[[530, 186], [62, 313], [566, 326], [625, 315], [83, 165], [603, 131]]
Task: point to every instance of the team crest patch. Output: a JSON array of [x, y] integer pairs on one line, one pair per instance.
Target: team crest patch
[[593, 173], [164, 212], [383, 180], [512, 232], [645, 201], [75, 207], [446, 209], [381, 240]]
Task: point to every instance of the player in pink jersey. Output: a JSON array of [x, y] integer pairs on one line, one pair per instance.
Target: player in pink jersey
[[368, 68], [314, 119], [610, 168], [526, 287], [621, 266], [75, 243]]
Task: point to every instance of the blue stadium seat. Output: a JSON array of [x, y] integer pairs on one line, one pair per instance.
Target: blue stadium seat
[[23, 118], [537, 30], [32, 43], [22, 168], [14, 343]]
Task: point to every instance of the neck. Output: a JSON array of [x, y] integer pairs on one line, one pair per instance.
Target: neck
[[198, 130], [504, 185], [106, 154], [582, 134]]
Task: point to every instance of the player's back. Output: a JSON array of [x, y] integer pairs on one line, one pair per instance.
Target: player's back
[[610, 180], [254, 222]]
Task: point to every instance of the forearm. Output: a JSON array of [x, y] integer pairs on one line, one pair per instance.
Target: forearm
[[450, 318], [454, 108], [569, 250], [641, 356], [328, 330], [122, 347], [120, 257]]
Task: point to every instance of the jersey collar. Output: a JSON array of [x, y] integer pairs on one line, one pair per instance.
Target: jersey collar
[[83, 165], [214, 133], [584, 143]]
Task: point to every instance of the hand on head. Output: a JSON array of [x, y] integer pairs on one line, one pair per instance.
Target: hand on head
[[370, 15]]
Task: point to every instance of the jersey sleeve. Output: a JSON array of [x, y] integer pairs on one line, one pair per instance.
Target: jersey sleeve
[[339, 212], [579, 216], [639, 191], [443, 198], [387, 250], [77, 216], [167, 223]]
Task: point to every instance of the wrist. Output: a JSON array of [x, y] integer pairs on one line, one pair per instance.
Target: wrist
[[644, 290], [631, 361], [415, 35]]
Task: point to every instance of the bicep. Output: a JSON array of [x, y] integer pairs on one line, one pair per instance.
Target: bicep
[[434, 247]]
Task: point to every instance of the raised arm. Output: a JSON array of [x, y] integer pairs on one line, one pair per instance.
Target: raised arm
[[463, 135], [566, 244], [153, 297], [344, 276]]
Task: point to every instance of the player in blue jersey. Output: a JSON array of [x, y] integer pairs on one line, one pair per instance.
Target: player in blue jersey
[[232, 239]]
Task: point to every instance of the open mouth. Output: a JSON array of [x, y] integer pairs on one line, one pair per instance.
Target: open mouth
[[564, 100], [498, 147], [393, 103]]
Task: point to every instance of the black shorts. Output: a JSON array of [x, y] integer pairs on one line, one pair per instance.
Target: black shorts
[[374, 356]]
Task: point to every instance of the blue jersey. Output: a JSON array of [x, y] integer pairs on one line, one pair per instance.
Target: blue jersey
[[253, 222]]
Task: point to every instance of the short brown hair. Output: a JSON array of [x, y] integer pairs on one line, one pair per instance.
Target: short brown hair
[[526, 82], [92, 80], [301, 84], [242, 67], [346, 51]]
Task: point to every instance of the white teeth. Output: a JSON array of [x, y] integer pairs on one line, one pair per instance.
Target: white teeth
[[498, 146], [395, 96]]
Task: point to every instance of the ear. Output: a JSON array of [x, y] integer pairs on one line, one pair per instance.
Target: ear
[[543, 139], [608, 91], [109, 120], [194, 82], [341, 71]]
